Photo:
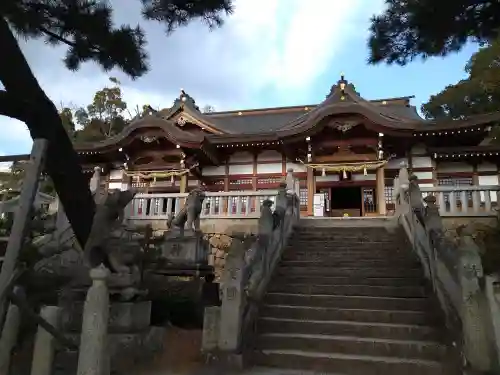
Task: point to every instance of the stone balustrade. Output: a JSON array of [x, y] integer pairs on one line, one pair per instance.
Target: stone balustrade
[[233, 204], [465, 200], [246, 275], [469, 299]]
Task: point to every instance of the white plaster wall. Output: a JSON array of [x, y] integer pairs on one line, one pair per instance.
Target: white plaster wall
[[116, 174], [362, 177], [396, 163], [486, 167], [419, 149], [488, 180], [423, 175], [453, 166], [328, 177], [421, 162], [214, 171], [426, 185], [241, 156], [269, 168], [117, 185], [193, 182], [268, 155], [241, 169], [296, 167]]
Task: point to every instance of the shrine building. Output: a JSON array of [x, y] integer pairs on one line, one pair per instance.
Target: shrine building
[[346, 148]]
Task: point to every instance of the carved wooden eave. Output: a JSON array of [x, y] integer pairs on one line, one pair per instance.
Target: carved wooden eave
[[185, 115], [151, 126]]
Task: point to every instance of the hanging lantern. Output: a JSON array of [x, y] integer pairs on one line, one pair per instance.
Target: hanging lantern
[[344, 175], [172, 180], [323, 172], [365, 172]]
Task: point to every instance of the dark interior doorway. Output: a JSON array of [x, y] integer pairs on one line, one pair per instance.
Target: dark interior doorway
[[346, 200]]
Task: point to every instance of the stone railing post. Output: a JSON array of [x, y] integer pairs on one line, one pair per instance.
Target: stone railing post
[[433, 220], [95, 181], [93, 354], [492, 289], [43, 352], [290, 181], [9, 337], [476, 346]]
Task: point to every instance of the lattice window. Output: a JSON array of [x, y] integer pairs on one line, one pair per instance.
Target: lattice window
[[243, 181], [270, 180], [303, 196], [389, 194]]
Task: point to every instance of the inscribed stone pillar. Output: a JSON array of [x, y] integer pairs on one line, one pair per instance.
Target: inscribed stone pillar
[[381, 204], [311, 189], [233, 301]]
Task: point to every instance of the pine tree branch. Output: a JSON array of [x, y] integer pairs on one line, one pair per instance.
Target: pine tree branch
[[64, 40]]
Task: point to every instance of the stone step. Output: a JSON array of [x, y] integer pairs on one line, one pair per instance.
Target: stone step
[[348, 328], [348, 240], [430, 350], [349, 280], [348, 302], [347, 252], [321, 245], [347, 261], [361, 315], [348, 364], [349, 271], [349, 290]]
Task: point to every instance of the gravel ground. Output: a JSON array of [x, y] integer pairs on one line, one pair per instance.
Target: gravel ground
[[181, 356]]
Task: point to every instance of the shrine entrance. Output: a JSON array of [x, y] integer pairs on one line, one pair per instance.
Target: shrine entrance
[[346, 201]]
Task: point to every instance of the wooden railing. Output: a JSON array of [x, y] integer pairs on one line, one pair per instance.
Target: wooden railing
[[465, 200], [237, 204]]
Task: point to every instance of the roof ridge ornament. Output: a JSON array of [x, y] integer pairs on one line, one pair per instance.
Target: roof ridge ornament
[[339, 89], [185, 99]]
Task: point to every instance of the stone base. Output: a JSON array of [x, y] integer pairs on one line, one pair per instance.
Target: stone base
[[187, 249], [123, 317], [126, 350]]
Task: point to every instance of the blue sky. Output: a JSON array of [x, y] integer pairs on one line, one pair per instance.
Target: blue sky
[[291, 54]]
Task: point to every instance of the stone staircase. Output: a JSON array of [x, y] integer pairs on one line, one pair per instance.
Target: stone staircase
[[351, 300]]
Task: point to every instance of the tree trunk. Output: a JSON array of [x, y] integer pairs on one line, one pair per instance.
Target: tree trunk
[[27, 102]]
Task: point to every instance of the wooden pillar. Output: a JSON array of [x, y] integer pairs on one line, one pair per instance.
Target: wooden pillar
[[183, 183], [254, 172], [311, 189], [225, 200], [381, 204]]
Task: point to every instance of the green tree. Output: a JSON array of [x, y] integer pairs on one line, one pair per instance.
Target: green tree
[[422, 28], [478, 93], [104, 117], [68, 121], [85, 27]]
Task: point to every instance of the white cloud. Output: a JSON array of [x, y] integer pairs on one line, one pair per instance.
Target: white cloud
[[280, 44]]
